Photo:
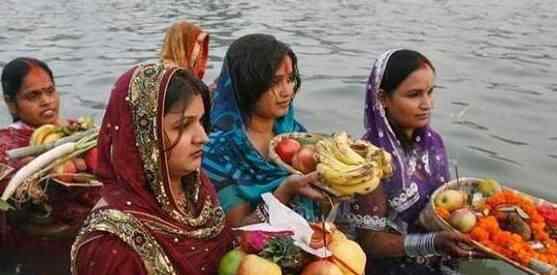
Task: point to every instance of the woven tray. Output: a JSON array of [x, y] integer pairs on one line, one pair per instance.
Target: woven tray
[[433, 222], [88, 182]]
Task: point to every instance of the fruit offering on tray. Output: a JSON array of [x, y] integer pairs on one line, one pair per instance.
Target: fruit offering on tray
[[271, 253], [346, 166], [66, 155], [77, 168], [505, 222]]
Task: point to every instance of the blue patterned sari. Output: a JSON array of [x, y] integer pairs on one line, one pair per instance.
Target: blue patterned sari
[[240, 173]]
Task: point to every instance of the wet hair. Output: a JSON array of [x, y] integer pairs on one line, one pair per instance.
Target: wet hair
[[181, 89], [253, 61], [14, 74], [401, 64]]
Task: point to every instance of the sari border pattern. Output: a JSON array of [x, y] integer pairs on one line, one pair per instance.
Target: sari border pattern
[[131, 231]]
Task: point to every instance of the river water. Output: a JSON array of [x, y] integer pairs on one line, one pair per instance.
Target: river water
[[496, 106]]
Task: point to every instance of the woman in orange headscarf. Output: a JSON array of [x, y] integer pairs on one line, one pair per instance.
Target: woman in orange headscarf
[[186, 45]]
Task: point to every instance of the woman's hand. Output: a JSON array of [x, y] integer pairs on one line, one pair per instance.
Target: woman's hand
[[456, 245], [299, 185]]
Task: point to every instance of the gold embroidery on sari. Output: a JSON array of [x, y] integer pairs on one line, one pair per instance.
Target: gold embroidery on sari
[[144, 98], [131, 231]]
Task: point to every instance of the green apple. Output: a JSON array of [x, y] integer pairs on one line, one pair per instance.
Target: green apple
[[488, 187], [463, 220], [230, 262], [451, 199]]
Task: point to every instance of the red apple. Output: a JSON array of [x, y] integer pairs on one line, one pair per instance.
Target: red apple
[[64, 171], [304, 161], [286, 148], [91, 158]]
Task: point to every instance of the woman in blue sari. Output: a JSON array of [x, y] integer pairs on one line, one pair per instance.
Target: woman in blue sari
[[252, 104]]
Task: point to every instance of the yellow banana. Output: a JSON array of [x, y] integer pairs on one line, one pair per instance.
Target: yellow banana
[[52, 137], [370, 174], [382, 158], [329, 159], [362, 189], [40, 133], [333, 176], [351, 167], [330, 152], [386, 164], [343, 152]]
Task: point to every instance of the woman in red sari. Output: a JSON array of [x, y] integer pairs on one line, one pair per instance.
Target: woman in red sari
[[31, 243], [159, 214], [32, 99]]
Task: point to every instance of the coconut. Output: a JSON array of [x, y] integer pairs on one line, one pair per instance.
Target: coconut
[[322, 267], [349, 256]]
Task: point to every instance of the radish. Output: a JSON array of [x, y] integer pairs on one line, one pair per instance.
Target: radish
[[42, 164]]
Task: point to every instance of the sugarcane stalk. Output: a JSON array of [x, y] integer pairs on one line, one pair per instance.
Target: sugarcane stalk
[[39, 149]]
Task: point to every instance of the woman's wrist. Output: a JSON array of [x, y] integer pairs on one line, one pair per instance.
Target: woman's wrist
[[421, 245], [283, 193]]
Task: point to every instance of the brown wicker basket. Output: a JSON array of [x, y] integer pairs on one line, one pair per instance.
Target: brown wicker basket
[[433, 222]]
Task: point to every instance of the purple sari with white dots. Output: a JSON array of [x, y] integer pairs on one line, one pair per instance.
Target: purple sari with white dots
[[418, 171]]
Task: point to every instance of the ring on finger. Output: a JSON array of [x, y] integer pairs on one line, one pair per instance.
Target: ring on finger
[[469, 255]]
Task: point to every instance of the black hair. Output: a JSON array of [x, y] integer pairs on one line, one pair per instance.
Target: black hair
[[252, 61], [401, 64], [181, 88], [15, 72]]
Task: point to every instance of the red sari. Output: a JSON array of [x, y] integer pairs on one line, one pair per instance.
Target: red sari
[[140, 228], [42, 247], [15, 136]]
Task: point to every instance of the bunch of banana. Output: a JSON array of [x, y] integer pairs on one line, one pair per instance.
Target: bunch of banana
[[46, 134], [350, 167], [50, 133]]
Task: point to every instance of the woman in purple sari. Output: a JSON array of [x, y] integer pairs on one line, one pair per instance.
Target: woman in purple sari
[[399, 102]]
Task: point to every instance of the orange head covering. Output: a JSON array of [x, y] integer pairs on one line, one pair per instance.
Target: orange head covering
[[186, 45]]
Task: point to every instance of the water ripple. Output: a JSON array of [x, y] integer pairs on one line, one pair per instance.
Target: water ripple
[[509, 141], [498, 56], [471, 124], [493, 155]]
